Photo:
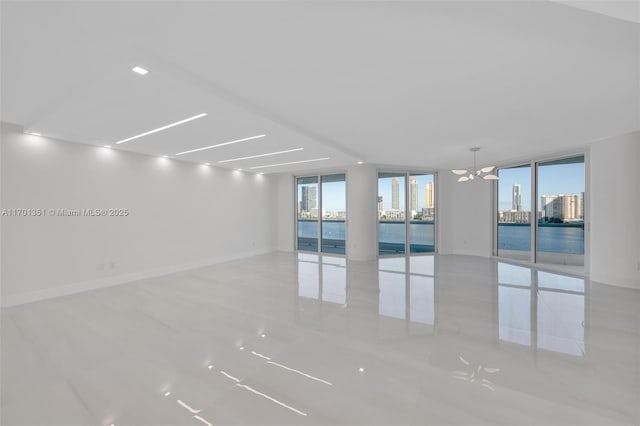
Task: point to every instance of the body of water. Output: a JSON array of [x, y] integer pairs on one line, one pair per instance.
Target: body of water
[[552, 239]]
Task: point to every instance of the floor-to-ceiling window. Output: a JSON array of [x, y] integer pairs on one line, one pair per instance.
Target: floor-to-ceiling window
[[540, 214], [307, 207], [391, 213], [334, 213], [406, 213], [422, 213], [560, 235], [321, 213], [514, 212]]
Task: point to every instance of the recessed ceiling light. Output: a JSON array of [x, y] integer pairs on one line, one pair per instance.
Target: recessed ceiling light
[[159, 129], [221, 144], [107, 146], [291, 162], [140, 70], [238, 170], [261, 155], [360, 162], [165, 156], [35, 134], [206, 164]]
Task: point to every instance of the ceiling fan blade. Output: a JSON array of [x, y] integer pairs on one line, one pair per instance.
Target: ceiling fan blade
[[463, 179], [487, 169], [459, 172], [490, 177]]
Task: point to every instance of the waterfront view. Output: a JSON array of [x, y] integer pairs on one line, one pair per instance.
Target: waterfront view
[[558, 210], [551, 239], [321, 204], [406, 213]]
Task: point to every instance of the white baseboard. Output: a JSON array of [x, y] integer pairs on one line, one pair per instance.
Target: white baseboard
[[65, 290]]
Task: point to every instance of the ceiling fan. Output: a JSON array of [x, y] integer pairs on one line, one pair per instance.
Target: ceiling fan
[[475, 172]]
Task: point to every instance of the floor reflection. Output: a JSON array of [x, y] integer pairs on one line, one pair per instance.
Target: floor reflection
[[541, 309], [322, 278], [536, 309]]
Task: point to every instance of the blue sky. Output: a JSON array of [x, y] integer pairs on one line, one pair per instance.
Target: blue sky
[[553, 179]]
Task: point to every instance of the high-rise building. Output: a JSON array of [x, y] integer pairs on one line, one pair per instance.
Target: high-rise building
[[395, 193], [380, 204], [309, 198], [566, 207], [516, 198], [428, 195], [413, 196]]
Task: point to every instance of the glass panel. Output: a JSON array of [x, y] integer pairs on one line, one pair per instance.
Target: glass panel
[[422, 213], [391, 213], [334, 213], [514, 212], [561, 212], [307, 203]]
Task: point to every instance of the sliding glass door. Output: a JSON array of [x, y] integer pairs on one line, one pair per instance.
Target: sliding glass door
[[391, 213], [321, 213], [307, 203], [422, 213], [334, 213], [560, 236], [541, 211], [514, 212], [406, 213]]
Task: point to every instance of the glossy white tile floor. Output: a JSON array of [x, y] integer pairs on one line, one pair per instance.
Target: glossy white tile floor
[[298, 339]]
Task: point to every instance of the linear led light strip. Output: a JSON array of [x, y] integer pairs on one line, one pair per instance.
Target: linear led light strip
[[159, 129], [289, 163], [221, 144], [261, 155]]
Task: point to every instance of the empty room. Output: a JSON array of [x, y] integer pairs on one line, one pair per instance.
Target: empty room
[[320, 213]]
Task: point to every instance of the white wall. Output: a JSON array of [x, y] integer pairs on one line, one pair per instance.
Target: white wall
[[615, 211], [182, 215], [285, 212], [362, 216], [465, 216]]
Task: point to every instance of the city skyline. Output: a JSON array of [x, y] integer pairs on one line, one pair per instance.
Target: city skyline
[[552, 180]]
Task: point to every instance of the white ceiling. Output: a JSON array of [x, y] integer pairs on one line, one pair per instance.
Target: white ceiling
[[398, 83], [628, 10]]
